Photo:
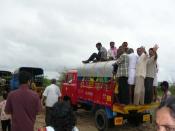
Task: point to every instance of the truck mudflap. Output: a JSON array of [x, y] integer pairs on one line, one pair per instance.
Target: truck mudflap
[[125, 109], [132, 118], [133, 114]]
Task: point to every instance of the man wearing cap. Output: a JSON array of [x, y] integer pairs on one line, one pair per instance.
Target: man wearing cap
[[50, 96]]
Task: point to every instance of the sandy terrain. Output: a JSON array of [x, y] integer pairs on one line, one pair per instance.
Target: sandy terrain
[[85, 122]]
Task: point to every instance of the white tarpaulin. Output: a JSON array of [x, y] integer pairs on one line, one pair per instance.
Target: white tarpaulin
[[98, 69]]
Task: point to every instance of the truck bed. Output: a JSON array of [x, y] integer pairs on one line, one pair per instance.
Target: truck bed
[[125, 109]]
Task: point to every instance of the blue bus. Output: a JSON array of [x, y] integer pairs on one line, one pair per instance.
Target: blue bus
[[37, 78]]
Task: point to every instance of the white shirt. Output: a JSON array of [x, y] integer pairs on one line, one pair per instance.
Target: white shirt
[[49, 128], [132, 61], [51, 93], [141, 65]]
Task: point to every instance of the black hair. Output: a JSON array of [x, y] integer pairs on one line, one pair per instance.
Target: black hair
[[112, 42], [63, 117], [130, 50], [155, 53], [98, 44], [169, 103], [164, 85], [125, 43], [24, 77], [53, 81]]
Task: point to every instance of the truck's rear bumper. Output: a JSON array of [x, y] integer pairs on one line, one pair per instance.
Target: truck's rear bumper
[[133, 118], [125, 109]]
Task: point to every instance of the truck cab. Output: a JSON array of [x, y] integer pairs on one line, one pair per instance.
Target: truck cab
[[70, 85]]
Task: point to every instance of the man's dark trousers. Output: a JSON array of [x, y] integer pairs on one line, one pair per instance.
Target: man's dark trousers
[[48, 115]]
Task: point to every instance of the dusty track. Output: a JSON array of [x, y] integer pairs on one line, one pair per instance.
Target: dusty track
[[85, 122]]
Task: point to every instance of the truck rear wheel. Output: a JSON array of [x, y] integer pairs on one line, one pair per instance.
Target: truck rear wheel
[[101, 120]]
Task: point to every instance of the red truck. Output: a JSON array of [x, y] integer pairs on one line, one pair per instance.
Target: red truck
[[91, 87]]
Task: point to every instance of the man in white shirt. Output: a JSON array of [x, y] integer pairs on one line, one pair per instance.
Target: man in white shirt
[[131, 72], [50, 97], [139, 91]]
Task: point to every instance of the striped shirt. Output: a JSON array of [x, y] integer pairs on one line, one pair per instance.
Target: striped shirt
[[123, 63]]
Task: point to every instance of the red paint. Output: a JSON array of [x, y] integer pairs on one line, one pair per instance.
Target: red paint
[[96, 92]]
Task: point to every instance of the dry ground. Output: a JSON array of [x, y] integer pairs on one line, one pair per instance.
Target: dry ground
[[85, 122]]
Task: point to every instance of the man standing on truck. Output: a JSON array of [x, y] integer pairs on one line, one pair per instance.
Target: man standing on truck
[[150, 74], [101, 56], [131, 72], [139, 91], [122, 74], [124, 46], [51, 95]]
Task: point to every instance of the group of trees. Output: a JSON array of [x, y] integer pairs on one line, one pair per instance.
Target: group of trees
[[61, 78]]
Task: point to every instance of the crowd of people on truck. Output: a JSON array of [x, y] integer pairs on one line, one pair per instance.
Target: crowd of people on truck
[[136, 73]]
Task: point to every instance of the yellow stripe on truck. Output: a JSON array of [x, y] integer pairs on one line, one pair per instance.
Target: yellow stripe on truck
[[124, 109]]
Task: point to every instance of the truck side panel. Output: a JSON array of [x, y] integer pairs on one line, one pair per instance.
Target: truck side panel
[[99, 94]]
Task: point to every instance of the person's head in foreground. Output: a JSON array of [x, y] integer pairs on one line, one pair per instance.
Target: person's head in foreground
[[165, 115], [24, 77]]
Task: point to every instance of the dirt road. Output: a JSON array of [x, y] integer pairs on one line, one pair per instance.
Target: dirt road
[[85, 122]]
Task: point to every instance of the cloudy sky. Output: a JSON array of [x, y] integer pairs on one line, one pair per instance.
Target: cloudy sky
[[54, 34]]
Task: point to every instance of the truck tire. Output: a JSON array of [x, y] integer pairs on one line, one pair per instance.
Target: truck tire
[[101, 120]]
